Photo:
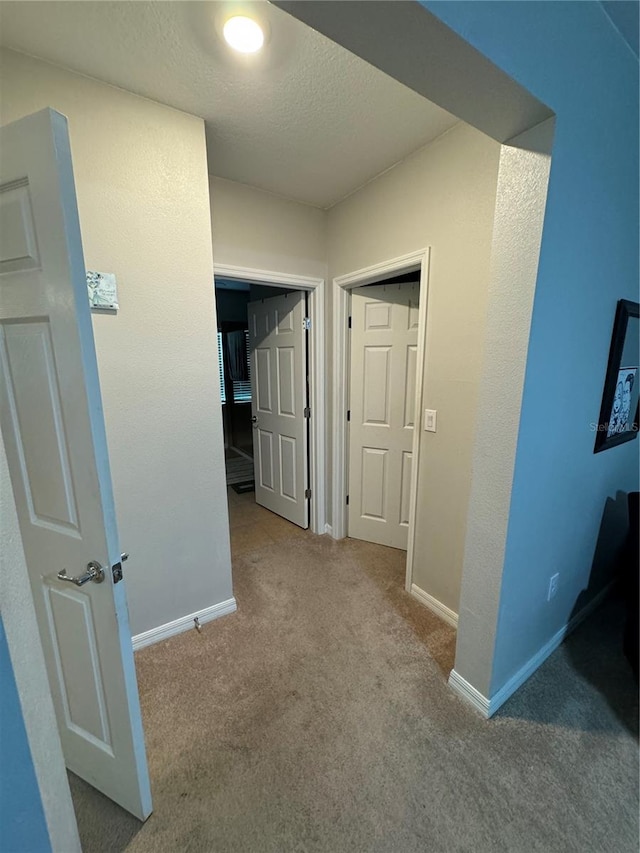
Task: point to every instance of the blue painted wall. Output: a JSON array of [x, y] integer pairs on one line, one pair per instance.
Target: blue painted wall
[[22, 823], [570, 56], [625, 15]]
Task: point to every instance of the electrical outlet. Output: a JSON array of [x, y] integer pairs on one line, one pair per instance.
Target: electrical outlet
[[554, 580]]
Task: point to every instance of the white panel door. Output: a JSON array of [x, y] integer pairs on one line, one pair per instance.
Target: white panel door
[[384, 346], [278, 399], [53, 431]]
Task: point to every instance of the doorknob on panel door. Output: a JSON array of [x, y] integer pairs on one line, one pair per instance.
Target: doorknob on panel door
[[94, 573], [254, 419]]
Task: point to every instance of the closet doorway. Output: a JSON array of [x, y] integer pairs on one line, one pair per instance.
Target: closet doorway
[[377, 400]]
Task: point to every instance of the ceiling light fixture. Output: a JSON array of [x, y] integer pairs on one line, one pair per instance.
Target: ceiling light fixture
[[243, 34]]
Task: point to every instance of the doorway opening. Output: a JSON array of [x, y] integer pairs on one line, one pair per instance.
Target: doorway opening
[[234, 366], [271, 371], [380, 315]]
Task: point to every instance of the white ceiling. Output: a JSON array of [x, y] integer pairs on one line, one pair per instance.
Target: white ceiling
[[305, 118]]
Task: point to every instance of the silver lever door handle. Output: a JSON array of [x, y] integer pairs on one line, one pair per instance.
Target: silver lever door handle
[[94, 572]]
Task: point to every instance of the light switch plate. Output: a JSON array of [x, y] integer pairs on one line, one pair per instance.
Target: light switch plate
[[430, 416]]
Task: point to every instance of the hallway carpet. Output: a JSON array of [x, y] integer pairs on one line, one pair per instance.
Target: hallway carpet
[[318, 718]]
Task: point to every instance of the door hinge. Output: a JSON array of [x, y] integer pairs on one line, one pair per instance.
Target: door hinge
[[347, 500], [307, 493], [306, 324], [348, 414], [307, 412], [349, 322]]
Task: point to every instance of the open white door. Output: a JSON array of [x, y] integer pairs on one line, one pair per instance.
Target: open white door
[[53, 430], [278, 400], [384, 345]]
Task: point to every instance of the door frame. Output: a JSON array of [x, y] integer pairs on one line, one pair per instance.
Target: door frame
[[342, 286], [317, 422]]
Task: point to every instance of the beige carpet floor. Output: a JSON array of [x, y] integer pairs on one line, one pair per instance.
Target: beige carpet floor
[[318, 718]]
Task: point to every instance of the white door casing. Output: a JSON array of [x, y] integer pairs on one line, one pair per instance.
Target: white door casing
[[279, 394], [384, 345], [315, 295], [53, 430]]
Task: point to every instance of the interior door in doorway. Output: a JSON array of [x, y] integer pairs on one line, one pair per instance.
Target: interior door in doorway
[[277, 340], [53, 432], [384, 346]]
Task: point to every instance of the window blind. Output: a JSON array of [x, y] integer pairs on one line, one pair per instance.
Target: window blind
[[242, 390], [223, 396]]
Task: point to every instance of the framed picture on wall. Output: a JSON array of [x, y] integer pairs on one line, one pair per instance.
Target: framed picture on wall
[[103, 290], [618, 420]]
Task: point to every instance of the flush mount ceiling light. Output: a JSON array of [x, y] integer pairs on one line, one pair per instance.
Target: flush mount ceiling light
[[243, 34]]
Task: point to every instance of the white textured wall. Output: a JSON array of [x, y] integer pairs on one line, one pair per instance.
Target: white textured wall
[[141, 179], [256, 229], [443, 197], [521, 195]]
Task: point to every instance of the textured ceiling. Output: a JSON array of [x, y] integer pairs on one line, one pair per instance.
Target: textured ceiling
[[305, 118]]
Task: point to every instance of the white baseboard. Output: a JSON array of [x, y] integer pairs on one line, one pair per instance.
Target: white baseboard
[[469, 692], [328, 529], [436, 606], [488, 707], [184, 623]]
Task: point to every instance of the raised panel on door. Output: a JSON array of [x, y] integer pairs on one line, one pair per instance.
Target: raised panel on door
[[18, 244], [262, 373], [283, 319], [409, 389], [288, 478], [413, 307], [285, 371], [33, 404], [375, 384], [75, 648], [265, 459], [377, 316], [372, 489]]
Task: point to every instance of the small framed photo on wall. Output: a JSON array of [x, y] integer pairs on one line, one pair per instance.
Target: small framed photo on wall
[[103, 290], [619, 410]]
